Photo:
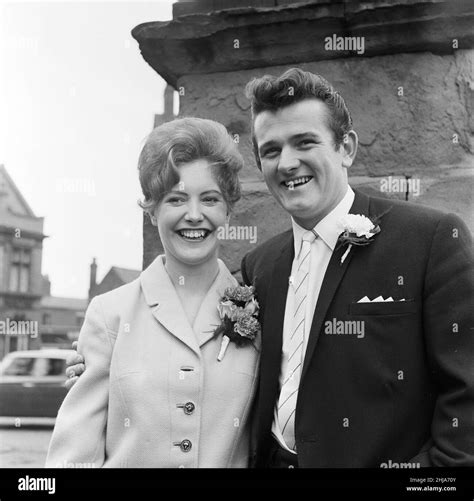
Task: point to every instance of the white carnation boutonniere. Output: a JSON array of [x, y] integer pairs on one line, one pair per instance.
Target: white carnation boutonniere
[[238, 311], [357, 229]]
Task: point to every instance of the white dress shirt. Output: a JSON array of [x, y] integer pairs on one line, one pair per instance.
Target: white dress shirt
[[328, 231]]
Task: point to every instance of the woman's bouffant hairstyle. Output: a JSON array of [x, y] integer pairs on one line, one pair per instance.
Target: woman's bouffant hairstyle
[[181, 141], [270, 93]]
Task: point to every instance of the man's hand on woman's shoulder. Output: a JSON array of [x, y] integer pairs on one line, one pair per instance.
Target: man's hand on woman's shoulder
[[74, 367]]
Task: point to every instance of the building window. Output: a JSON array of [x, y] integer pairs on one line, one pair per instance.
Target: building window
[[46, 318], [20, 270], [13, 343]]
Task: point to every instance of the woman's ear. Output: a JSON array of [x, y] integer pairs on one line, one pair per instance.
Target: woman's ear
[[154, 222]]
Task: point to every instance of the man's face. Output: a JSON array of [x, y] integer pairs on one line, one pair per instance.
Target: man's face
[[303, 170]]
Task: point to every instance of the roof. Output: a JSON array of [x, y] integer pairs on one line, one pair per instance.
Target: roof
[[125, 274], [4, 174], [63, 303]]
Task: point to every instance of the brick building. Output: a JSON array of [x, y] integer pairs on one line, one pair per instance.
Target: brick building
[[21, 249], [25, 297], [114, 278]]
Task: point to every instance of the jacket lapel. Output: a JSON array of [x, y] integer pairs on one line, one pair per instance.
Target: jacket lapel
[[161, 297], [272, 337], [208, 318], [332, 278]]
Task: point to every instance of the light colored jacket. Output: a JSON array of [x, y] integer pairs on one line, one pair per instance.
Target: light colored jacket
[[153, 393]]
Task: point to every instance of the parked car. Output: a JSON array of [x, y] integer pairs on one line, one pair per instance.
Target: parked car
[[32, 383]]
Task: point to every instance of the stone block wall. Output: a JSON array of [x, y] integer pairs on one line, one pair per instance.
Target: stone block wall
[[411, 94], [427, 129], [427, 133]]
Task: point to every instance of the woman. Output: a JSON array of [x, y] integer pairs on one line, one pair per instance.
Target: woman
[[154, 393]]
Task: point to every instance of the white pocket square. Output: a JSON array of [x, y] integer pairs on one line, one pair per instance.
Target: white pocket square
[[378, 299]]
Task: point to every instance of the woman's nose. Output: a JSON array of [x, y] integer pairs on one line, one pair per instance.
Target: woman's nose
[[194, 213]]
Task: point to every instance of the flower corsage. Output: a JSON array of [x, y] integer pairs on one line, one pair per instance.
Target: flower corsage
[[238, 310], [357, 230]]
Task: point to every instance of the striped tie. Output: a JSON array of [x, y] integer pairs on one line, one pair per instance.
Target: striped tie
[[294, 345]]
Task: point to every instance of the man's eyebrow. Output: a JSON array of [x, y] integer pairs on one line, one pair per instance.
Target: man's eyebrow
[[305, 134], [295, 137]]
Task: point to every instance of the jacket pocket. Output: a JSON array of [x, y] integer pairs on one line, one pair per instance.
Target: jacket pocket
[[383, 308]]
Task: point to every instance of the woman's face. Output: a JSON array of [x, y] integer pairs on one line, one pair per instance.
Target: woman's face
[[189, 215]]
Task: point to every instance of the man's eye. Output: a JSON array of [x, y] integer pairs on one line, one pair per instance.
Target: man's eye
[[307, 142], [271, 152]]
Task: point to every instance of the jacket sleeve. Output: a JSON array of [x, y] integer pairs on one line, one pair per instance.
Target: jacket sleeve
[[448, 322], [79, 435]]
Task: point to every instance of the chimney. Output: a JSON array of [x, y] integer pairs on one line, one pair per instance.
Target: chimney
[[93, 279], [45, 285]]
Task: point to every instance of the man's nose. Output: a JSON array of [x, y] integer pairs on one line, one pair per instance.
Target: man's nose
[[288, 160], [194, 213]]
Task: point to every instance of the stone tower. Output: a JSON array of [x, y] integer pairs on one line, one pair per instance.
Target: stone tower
[[407, 81]]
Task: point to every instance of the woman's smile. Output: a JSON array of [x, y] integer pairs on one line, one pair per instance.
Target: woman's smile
[[194, 234]]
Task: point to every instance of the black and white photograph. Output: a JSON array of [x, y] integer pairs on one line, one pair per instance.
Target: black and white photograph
[[236, 246]]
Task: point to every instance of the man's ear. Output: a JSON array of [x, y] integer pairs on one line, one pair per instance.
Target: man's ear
[[349, 148]]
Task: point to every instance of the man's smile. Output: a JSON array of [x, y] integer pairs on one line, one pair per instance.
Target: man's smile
[[296, 182]]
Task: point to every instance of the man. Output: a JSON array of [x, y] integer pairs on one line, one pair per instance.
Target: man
[[345, 382], [366, 349]]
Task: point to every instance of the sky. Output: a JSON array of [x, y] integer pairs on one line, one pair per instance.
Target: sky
[[77, 101]]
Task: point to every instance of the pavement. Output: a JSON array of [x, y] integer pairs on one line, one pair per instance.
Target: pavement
[[25, 446]]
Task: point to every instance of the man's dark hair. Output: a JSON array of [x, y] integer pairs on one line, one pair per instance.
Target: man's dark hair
[[270, 93]]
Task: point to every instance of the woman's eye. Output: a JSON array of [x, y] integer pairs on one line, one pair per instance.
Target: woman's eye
[[175, 201], [210, 200]]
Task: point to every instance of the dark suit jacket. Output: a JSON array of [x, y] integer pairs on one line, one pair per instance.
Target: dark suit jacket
[[403, 392]]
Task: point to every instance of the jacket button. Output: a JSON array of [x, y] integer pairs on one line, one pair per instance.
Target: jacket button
[[189, 408], [186, 445]]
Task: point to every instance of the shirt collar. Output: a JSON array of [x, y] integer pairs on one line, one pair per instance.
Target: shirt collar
[[328, 228]]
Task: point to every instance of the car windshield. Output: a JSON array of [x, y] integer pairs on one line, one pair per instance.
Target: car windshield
[[35, 367]]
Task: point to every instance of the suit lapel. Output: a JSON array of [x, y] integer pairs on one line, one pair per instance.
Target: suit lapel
[[332, 278], [272, 336], [161, 297]]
